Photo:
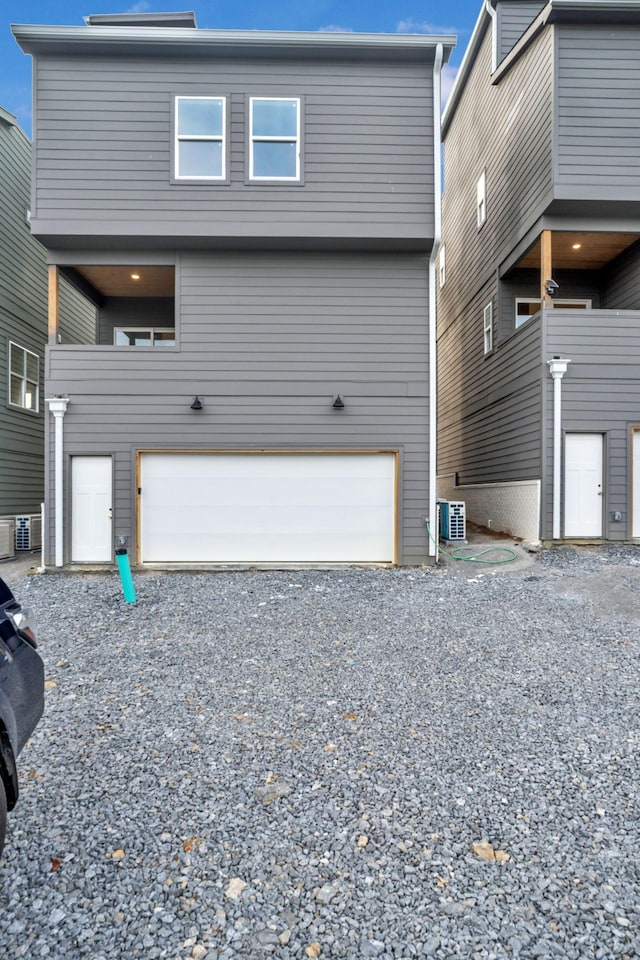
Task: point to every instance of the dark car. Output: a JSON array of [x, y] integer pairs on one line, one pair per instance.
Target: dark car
[[21, 695]]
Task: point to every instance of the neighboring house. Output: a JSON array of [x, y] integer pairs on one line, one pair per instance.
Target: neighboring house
[[539, 286], [23, 335], [253, 216]]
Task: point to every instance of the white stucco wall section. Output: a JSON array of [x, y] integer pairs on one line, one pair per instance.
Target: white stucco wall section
[[512, 508]]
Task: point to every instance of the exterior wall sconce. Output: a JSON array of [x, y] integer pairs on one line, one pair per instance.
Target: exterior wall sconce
[[338, 403], [197, 404]]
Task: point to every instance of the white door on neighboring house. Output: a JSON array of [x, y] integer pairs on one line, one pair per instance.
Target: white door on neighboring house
[[635, 501], [91, 493], [583, 484]]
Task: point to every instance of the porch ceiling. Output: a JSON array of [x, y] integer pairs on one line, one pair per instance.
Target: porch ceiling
[[120, 282], [595, 250]]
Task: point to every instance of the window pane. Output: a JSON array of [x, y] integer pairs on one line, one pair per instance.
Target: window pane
[[16, 390], [32, 367], [133, 338], [164, 338], [274, 159], [31, 396], [200, 118], [199, 158], [17, 360], [275, 118]]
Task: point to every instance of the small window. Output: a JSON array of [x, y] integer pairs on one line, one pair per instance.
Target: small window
[[443, 274], [275, 138], [482, 199], [144, 337], [200, 138], [488, 328], [24, 378]]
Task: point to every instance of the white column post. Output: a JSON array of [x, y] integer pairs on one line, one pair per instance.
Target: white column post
[[557, 368], [58, 407]]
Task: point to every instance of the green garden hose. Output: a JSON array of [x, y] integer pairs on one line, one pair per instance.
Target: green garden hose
[[480, 556]]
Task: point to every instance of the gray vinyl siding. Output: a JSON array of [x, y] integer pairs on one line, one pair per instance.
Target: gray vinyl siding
[[267, 341], [23, 320], [489, 414], [598, 112], [104, 150], [77, 319], [514, 17], [622, 281], [488, 427], [600, 394]]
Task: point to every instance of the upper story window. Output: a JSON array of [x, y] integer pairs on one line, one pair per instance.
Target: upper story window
[[442, 266], [274, 152], [144, 337], [481, 207], [24, 378], [200, 138], [488, 327]]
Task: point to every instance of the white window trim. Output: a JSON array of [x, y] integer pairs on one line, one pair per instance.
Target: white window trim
[[585, 303], [481, 199], [200, 138], [487, 327], [442, 266], [141, 329], [262, 139], [24, 380]]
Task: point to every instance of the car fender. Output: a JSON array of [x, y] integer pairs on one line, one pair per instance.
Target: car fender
[[8, 769]]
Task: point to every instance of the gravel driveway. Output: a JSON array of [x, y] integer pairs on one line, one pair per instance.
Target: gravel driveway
[[344, 764]]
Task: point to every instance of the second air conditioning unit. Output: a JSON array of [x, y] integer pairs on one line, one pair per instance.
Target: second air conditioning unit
[[29, 532]]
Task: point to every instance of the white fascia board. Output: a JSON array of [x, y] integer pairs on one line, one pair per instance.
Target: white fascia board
[[31, 36]]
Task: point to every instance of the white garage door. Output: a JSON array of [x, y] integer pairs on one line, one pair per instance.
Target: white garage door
[[267, 508]]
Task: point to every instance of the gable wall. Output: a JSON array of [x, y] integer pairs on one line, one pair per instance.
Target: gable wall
[[104, 149]]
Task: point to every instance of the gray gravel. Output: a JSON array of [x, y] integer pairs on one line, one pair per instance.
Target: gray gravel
[[298, 764]]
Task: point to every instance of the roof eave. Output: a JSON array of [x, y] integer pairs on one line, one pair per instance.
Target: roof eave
[[35, 38]]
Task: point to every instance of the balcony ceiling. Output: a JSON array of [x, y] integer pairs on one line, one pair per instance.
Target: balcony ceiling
[[595, 250], [119, 282]]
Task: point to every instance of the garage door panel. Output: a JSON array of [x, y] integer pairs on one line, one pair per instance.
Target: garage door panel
[[267, 508]]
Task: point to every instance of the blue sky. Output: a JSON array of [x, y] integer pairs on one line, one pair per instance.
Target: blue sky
[[362, 16]]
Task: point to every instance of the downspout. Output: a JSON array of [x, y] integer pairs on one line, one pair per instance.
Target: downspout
[[58, 407], [557, 368], [493, 13], [437, 236]]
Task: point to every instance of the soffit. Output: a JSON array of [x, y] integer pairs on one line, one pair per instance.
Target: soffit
[[118, 281], [594, 252]]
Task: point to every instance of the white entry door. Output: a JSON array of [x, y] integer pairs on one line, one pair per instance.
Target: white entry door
[[91, 492], [583, 485], [636, 483]]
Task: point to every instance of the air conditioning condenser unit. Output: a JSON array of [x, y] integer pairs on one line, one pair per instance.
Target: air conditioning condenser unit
[[29, 532], [453, 527]]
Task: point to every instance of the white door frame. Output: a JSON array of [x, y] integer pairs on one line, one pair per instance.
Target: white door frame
[[594, 527], [99, 547]]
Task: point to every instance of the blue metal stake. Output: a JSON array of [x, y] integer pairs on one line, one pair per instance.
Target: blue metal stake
[[124, 569]]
